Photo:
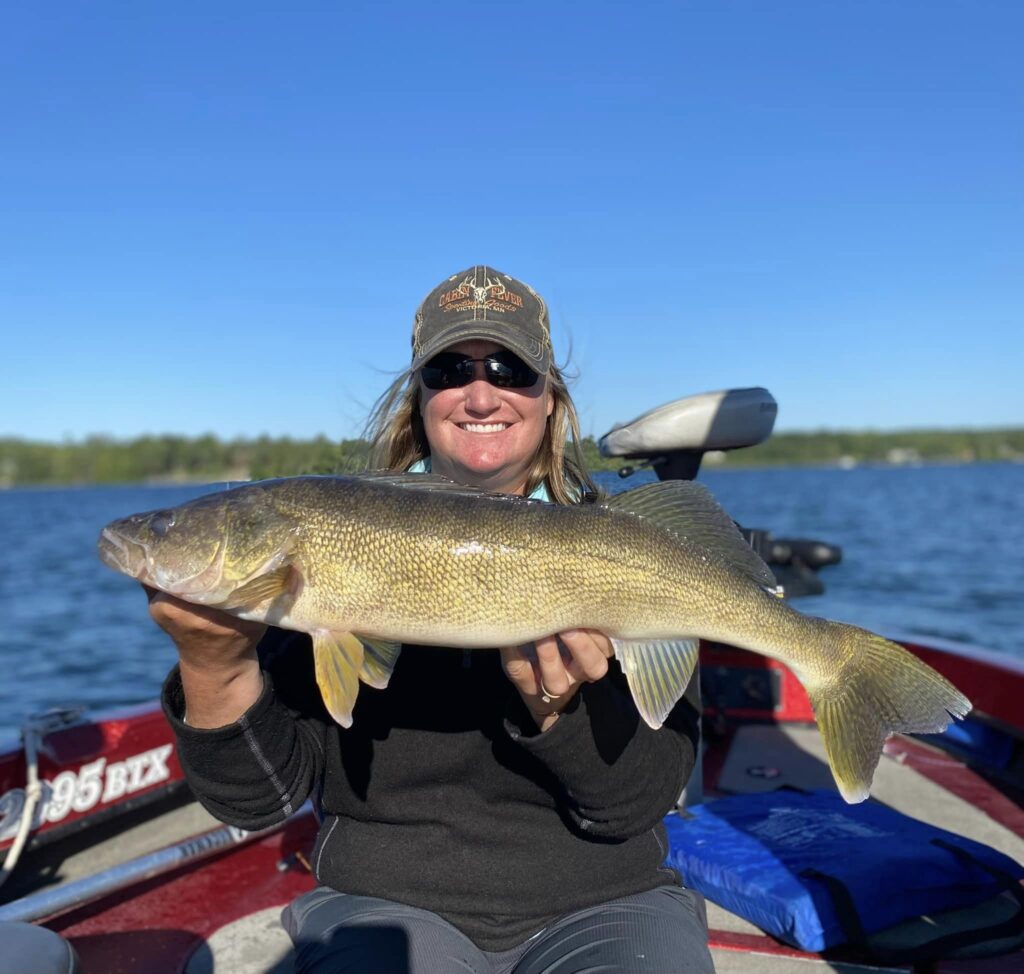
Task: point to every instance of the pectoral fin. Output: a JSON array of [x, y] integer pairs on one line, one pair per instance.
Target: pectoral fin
[[657, 672], [261, 589], [339, 659], [378, 661]]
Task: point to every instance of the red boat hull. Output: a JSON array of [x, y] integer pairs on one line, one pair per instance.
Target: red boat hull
[[100, 768]]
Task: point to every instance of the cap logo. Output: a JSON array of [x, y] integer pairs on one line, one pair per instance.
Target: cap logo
[[492, 296]]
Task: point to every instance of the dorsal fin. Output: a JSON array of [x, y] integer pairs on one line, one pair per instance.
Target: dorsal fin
[[689, 512]]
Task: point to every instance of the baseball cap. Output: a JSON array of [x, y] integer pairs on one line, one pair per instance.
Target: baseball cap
[[483, 303]]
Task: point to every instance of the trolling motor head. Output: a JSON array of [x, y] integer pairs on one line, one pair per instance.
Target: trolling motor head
[[673, 438]]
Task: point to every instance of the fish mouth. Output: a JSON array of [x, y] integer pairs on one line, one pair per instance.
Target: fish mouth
[[122, 555], [132, 558]]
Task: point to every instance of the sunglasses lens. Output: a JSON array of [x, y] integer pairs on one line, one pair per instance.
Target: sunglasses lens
[[447, 371], [504, 369], [508, 371]]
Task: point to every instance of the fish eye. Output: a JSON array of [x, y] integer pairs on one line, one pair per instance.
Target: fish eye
[[161, 523]]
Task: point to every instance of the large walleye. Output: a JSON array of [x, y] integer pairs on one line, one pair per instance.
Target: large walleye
[[365, 563]]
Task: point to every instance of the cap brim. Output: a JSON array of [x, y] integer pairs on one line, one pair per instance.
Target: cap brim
[[532, 352]]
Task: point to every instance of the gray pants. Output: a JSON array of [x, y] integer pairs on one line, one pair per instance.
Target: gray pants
[[663, 931]]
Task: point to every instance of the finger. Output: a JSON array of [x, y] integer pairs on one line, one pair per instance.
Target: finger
[[552, 672], [597, 638], [165, 598], [164, 606], [157, 597], [518, 668], [178, 617], [603, 643], [589, 650]]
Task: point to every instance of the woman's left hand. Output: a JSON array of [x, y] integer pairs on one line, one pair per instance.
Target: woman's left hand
[[549, 672]]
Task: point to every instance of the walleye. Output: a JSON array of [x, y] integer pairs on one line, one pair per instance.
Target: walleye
[[368, 562]]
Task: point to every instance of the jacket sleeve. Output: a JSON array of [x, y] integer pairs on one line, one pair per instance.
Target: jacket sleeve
[[260, 769], [620, 776]]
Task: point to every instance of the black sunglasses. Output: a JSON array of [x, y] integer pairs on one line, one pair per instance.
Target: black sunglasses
[[504, 369]]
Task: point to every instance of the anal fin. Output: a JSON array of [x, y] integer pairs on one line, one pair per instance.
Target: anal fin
[[657, 672]]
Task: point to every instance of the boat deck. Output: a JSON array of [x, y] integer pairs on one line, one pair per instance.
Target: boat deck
[[914, 778]]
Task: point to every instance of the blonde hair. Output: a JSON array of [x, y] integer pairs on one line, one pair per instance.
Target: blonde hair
[[398, 438]]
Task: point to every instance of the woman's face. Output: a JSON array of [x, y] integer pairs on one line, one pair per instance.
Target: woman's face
[[482, 435]]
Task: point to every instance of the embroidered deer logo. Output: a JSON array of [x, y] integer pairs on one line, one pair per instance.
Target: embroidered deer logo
[[481, 295]]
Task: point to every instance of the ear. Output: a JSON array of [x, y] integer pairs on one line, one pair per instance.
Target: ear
[[551, 400]]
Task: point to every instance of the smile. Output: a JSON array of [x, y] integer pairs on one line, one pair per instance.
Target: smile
[[483, 427]]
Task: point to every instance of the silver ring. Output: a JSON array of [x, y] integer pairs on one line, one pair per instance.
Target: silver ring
[[546, 695]]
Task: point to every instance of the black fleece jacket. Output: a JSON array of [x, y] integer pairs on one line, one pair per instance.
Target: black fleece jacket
[[443, 794]]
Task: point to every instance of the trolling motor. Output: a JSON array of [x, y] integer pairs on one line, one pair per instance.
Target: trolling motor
[[673, 439]]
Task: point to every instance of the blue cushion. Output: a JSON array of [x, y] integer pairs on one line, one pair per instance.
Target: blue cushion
[[816, 872]]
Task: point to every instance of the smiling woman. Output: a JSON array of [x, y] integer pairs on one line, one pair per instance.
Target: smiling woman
[[494, 812], [480, 432], [481, 340]]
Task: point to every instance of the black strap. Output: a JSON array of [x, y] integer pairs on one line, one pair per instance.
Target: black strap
[[1013, 927], [1007, 880], [843, 903], [943, 947], [846, 912]]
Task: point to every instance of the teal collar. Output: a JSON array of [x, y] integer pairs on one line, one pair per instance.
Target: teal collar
[[423, 466]]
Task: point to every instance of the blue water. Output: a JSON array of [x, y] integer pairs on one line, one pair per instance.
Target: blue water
[[937, 551]]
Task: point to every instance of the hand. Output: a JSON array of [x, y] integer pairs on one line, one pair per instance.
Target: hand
[[220, 670], [559, 665]]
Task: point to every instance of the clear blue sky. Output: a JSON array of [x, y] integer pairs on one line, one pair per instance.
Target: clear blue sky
[[221, 216]]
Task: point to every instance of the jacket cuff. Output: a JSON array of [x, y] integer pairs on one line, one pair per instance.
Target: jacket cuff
[[172, 699], [251, 773]]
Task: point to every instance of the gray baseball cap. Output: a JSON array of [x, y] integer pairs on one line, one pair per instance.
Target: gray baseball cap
[[483, 303]]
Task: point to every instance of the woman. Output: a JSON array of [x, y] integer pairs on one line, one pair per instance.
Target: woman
[[487, 812]]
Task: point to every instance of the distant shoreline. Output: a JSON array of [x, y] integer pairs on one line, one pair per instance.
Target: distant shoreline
[[199, 480], [171, 459]]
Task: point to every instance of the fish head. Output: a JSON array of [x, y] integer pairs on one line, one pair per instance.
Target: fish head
[[204, 550]]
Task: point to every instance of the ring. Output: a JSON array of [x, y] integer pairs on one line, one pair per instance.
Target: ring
[[546, 695]]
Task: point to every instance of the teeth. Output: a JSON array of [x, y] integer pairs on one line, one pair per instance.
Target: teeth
[[483, 427]]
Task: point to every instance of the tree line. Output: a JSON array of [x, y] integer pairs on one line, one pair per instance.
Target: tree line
[[900, 447], [105, 460]]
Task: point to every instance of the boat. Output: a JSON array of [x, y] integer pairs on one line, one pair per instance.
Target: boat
[[111, 866]]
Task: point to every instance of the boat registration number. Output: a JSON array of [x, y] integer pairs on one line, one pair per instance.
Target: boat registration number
[[98, 782]]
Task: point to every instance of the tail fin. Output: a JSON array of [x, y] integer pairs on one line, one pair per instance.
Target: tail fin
[[882, 689]]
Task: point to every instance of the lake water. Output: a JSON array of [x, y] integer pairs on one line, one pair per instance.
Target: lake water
[[937, 551]]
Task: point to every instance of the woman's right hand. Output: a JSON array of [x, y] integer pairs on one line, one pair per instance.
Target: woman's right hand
[[220, 672]]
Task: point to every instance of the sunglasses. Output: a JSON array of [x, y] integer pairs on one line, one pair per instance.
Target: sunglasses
[[504, 369]]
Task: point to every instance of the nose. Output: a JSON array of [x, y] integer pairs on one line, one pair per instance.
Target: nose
[[481, 397]]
